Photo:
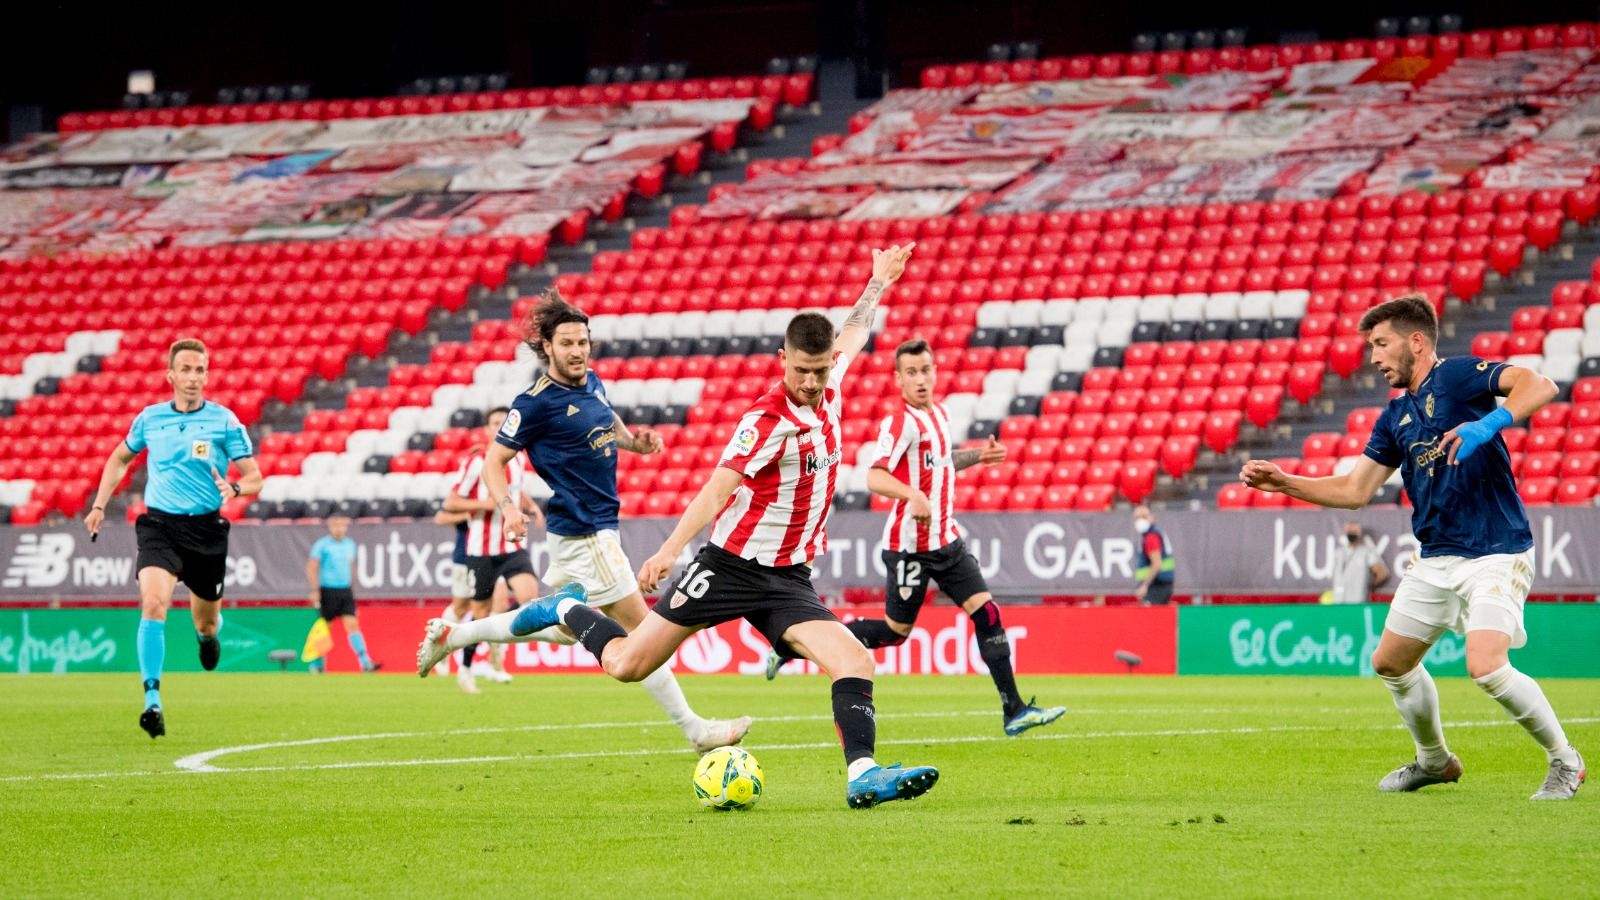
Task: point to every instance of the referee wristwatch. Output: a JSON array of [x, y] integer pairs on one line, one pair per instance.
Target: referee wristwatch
[[236, 492]]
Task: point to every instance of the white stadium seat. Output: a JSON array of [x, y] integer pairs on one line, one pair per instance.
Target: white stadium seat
[[1045, 358], [1188, 308], [1156, 308], [1058, 312], [1090, 309], [1256, 305], [1290, 304], [1223, 306], [1078, 358], [1115, 333], [1123, 309], [993, 314], [1025, 314]]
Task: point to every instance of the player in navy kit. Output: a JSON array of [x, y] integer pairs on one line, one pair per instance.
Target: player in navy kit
[[1475, 564], [567, 427], [182, 536]]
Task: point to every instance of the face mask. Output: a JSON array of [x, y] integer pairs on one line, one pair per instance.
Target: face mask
[[1353, 538], [1141, 525]]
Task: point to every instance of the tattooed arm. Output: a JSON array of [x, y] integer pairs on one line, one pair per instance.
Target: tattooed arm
[[887, 266], [992, 455]]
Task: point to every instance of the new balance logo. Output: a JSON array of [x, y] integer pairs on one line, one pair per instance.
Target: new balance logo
[[40, 560], [1406, 420]]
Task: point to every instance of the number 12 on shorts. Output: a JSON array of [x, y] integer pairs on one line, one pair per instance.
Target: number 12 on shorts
[[908, 573]]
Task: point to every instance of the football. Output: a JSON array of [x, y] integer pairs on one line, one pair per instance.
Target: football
[[727, 778]]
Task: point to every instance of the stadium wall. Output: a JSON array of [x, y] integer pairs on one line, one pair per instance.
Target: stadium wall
[[1024, 556], [1190, 640]]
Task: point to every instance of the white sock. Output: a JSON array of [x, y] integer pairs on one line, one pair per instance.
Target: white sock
[[669, 696], [494, 629], [865, 763], [1521, 697], [1417, 699], [564, 607]]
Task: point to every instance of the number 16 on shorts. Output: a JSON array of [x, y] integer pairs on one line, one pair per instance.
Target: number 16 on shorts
[[693, 585]]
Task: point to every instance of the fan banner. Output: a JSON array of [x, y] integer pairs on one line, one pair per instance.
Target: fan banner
[[907, 205], [1021, 555], [1079, 93]]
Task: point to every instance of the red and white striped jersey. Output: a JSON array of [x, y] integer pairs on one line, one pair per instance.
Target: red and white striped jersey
[[789, 456], [486, 531], [914, 446]]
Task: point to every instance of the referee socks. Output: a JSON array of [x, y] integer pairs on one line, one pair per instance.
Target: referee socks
[[152, 651]]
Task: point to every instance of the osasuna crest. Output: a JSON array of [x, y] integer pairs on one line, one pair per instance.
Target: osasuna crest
[[905, 593], [1427, 406]]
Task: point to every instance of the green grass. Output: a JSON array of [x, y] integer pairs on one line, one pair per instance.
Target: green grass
[[1147, 787]]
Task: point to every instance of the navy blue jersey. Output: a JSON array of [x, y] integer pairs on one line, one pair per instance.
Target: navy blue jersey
[[460, 555], [185, 448], [571, 435], [1470, 509]]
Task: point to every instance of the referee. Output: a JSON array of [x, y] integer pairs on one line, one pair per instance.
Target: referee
[[332, 562], [182, 537]]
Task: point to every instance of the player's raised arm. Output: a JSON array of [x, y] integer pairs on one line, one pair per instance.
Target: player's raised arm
[[702, 510], [887, 267], [1525, 390], [1352, 490]]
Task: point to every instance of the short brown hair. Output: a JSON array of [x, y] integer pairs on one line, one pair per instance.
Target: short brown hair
[[1406, 315], [913, 347], [809, 332], [551, 312], [179, 346]]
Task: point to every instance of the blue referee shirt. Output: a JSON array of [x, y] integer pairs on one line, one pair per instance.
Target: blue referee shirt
[[570, 433], [335, 560], [184, 448], [1471, 509]]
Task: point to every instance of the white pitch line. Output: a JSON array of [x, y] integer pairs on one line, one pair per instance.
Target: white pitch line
[[618, 754]]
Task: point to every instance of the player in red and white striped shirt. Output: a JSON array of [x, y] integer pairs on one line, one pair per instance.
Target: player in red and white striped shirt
[[769, 498], [491, 554], [916, 468]]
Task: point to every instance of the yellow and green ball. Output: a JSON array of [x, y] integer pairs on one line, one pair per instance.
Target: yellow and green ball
[[727, 778]]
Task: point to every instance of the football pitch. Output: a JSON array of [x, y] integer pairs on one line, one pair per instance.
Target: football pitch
[[574, 786]]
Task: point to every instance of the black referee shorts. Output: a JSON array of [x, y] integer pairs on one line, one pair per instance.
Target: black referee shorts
[[952, 566], [720, 587], [192, 548], [335, 602]]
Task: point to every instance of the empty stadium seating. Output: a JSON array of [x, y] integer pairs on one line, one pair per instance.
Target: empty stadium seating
[[1113, 346]]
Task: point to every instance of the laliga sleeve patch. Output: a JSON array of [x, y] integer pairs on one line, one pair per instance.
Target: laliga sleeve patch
[[885, 443], [512, 424], [744, 440]]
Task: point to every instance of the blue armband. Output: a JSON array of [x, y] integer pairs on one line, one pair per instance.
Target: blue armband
[[1475, 434]]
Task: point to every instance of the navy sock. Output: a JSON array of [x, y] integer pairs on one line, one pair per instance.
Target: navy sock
[[853, 716], [467, 653], [995, 648], [875, 633], [593, 629]]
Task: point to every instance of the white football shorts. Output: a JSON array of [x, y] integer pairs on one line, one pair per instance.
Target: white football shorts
[[1454, 593], [462, 584], [595, 561]]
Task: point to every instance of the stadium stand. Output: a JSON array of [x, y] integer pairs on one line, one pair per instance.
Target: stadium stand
[[1127, 276]]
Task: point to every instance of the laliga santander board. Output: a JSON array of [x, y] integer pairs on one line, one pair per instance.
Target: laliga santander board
[[1045, 640]]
